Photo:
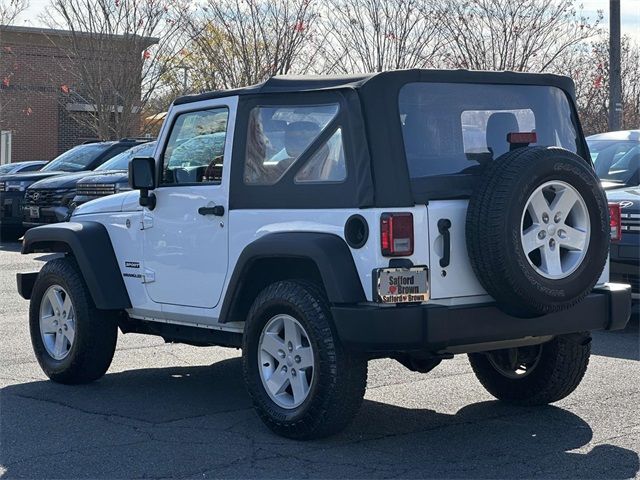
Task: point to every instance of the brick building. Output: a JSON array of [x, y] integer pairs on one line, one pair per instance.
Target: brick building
[[42, 101]]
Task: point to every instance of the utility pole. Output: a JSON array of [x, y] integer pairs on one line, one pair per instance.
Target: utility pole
[[615, 80]]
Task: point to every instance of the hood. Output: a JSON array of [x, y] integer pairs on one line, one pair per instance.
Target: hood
[[628, 197], [107, 176], [30, 176], [62, 181], [120, 202]]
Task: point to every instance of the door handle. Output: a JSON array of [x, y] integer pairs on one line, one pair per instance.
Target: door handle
[[218, 210], [444, 224]]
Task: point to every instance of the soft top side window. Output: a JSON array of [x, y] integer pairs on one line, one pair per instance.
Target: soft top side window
[[278, 135]]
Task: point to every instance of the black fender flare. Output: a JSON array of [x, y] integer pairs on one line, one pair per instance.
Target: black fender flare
[[90, 245], [329, 252]]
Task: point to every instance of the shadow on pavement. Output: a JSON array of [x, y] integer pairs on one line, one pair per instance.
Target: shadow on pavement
[[10, 246], [618, 343], [198, 422]]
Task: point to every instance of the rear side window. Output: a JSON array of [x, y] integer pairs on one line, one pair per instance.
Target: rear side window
[[451, 128], [278, 135]]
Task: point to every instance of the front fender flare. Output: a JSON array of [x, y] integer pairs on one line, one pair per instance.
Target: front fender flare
[[90, 244]]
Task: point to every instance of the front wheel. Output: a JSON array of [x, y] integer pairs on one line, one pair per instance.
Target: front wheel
[[534, 375], [302, 382], [73, 341]]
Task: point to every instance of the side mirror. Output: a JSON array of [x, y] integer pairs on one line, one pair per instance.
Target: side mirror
[[142, 176]]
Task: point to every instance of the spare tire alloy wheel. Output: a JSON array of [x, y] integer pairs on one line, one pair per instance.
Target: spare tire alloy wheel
[[286, 362], [57, 322], [537, 230], [555, 230]]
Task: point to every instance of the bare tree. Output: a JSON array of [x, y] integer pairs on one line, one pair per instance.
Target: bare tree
[[378, 35], [10, 9], [113, 58], [514, 35], [242, 42], [589, 68]]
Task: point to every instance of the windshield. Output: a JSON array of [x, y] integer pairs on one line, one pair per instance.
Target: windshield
[[7, 168], [615, 160], [455, 128], [77, 159], [121, 161]]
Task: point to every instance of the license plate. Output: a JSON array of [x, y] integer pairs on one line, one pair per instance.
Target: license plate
[[402, 285], [34, 212]]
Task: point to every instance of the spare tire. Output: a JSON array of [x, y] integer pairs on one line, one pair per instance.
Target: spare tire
[[538, 230]]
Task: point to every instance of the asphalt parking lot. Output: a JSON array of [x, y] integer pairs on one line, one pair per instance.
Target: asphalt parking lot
[[168, 410]]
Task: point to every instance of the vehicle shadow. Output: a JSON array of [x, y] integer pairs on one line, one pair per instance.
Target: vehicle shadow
[[618, 343], [198, 421], [10, 246]]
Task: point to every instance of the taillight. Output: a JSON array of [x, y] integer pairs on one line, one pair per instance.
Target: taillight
[[396, 234], [615, 221]]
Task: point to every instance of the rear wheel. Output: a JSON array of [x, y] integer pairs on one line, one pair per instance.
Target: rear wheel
[[302, 382], [73, 341], [534, 375]]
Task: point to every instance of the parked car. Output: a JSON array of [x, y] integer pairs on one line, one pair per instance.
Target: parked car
[[616, 156], [19, 167], [110, 177], [346, 219], [48, 200]]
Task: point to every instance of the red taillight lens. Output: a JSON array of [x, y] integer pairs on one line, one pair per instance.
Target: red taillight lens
[[615, 221], [396, 234], [516, 138]]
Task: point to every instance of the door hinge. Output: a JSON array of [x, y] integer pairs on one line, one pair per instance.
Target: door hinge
[[149, 276], [147, 222]]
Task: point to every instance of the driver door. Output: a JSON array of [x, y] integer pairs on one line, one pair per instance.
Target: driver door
[[186, 236]]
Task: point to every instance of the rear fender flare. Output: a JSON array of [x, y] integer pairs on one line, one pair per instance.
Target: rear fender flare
[[328, 252]]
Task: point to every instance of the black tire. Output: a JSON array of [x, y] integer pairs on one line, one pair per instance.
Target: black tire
[[493, 229], [562, 363], [96, 331], [339, 379]]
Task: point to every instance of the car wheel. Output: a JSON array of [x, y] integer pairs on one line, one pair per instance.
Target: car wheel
[[302, 382], [534, 375], [73, 341]]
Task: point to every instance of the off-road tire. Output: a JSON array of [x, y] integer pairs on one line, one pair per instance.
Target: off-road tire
[[340, 377], [96, 331], [493, 231], [562, 365]]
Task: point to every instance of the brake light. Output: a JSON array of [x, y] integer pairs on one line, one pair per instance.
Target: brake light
[[615, 221], [396, 234], [522, 138]]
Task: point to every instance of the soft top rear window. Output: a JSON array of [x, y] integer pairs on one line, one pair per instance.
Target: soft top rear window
[[455, 128]]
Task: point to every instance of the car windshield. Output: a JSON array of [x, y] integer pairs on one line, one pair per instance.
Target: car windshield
[[615, 160], [455, 128], [77, 159], [121, 161], [7, 168]]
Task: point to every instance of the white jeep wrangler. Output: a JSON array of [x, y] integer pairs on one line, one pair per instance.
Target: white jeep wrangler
[[320, 222]]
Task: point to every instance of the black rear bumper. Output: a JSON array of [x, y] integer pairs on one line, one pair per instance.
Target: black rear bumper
[[431, 327]]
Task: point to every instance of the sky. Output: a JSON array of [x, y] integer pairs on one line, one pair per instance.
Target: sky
[[630, 14]]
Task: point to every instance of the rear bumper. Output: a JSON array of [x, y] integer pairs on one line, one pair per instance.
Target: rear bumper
[[435, 328]]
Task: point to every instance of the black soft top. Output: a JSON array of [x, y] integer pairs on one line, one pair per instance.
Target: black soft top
[[382, 81], [373, 136]]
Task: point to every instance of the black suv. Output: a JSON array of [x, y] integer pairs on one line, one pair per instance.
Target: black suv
[[110, 177], [47, 200], [616, 157]]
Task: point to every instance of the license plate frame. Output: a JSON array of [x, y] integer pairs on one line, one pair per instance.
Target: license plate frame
[[402, 285], [34, 212]]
